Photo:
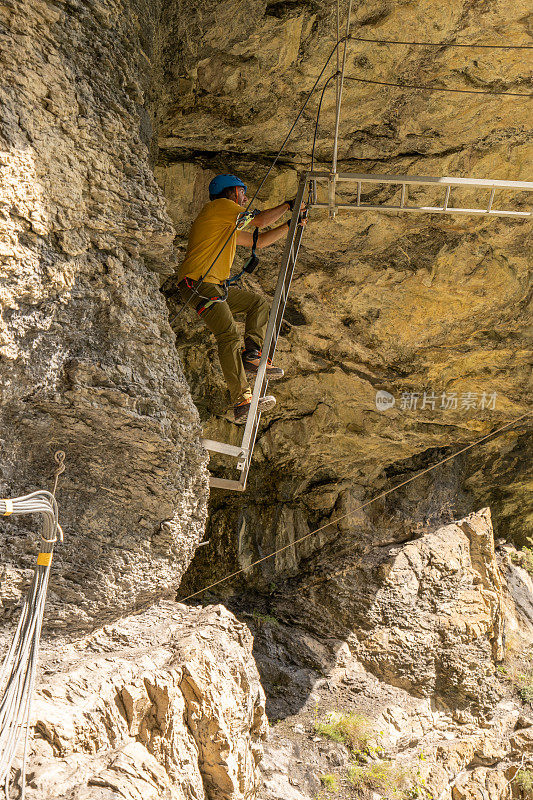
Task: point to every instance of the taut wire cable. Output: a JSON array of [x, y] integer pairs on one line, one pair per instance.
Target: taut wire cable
[[446, 44], [274, 162], [358, 508], [436, 88]]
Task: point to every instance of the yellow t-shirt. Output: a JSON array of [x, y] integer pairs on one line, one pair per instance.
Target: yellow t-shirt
[[209, 232]]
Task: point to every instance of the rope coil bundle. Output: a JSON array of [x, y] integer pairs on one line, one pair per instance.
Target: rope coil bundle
[[17, 675]]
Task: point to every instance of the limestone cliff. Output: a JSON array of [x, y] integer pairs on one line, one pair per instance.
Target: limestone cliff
[[162, 704], [409, 303], [115, 114], [87, 358]]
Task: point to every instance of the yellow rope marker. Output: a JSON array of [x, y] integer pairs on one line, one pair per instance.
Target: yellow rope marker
[[44, 559], [9, 507]]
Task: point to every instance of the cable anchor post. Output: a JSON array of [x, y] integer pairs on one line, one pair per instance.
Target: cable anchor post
[[332, 193], [59, 458], [340, 82]]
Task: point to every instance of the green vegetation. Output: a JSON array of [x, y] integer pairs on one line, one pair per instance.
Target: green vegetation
[[524, 780], [418, 788], [525, 686], [381, 776], [329, 782], [264, 618], [518, 668], [524, 558], [352, 730], [368, 769]]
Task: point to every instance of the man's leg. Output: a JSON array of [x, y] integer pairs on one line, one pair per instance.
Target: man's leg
[[219, 320], [257, 310]]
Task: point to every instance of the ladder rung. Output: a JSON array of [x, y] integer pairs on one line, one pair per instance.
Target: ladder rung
[[225, 483], [222, 447]]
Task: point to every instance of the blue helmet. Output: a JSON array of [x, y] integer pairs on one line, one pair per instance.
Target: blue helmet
[[221, 182]]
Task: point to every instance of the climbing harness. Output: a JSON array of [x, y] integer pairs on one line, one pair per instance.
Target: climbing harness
[[249, 267], [310, 181], [206, 302], [243, 452], [17, 676]]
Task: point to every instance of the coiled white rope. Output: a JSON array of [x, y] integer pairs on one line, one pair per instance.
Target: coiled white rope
[[17, 676]]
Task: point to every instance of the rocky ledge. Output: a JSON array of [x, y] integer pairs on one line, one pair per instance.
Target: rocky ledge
[[163, 704]]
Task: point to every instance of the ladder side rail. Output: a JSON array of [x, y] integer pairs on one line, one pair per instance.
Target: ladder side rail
[[253, 435], [287, 283], [261, 370], [483, 183], [365, 177], [430, 210], [248, 453]]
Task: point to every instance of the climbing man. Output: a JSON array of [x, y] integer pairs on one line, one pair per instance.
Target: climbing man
[[210, 255]]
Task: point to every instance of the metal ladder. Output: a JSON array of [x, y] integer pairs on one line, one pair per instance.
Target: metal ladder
[[243, 453], [403, 181]]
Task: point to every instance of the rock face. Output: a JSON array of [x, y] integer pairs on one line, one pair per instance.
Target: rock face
[[87, 359], [395, 612], [425, 615], [411, 641], [432, 309], [165, 704]]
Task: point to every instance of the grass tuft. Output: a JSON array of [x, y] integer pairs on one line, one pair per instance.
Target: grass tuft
[[329, 782], [381, 776], [524, 559], [352, 730], [524, 780], [525, 687], [265, 618]]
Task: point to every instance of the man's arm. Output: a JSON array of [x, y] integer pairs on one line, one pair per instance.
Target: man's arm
[[269, 216], [267, 237], [264, 239]]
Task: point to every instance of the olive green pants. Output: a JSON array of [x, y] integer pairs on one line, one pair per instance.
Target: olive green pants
[[219, 319]]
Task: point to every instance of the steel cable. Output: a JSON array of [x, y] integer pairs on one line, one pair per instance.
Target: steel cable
[[436, 88], [445, 44], [358, 508], [248, 207], [17, 676]]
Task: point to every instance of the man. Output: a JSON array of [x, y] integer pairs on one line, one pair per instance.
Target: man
[[210, 231]]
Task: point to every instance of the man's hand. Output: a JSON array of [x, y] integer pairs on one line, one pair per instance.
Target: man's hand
[[303, 206]]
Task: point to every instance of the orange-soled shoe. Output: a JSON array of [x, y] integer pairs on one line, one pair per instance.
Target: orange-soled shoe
[[251, 359], [240, 411]]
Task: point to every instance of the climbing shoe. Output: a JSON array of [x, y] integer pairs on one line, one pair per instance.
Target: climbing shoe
[[240, 411], [251, 359]]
